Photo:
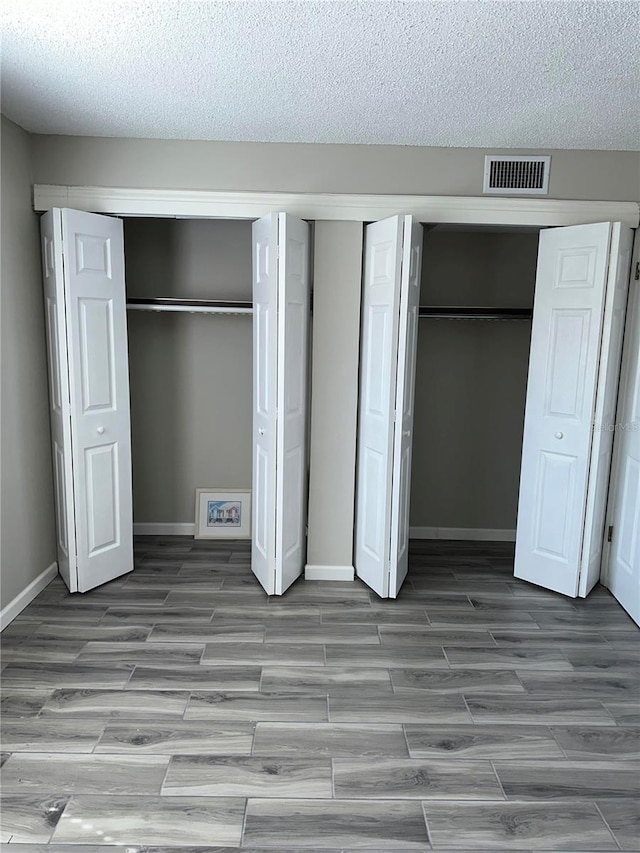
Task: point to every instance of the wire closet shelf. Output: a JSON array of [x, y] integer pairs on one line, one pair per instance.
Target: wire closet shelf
[[463, 312], [190, 306], [229, 307]]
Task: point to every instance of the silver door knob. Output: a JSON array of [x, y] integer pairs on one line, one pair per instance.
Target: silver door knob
[[559, 435], [100, 430]]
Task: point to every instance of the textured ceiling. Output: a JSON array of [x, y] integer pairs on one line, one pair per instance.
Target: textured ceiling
[[477, 73]]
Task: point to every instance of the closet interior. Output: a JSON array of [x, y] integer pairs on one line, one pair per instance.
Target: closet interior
[[474, 334], [189, 319]]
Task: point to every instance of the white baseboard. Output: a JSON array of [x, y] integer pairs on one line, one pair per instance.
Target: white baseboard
[[176, 529], [329, 573], [15, 607], [480, 534]]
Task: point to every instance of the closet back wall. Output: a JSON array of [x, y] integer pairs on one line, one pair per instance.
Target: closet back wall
[[471, 378], [191, 374]]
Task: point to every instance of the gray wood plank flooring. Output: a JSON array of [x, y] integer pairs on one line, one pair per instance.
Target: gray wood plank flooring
[[179, 737], [240, 776], [180, 709]]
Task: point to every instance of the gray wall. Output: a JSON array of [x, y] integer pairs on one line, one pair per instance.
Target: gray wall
[[471, 381], [191, 375], [334, 392], [603, 175], [28, 528]]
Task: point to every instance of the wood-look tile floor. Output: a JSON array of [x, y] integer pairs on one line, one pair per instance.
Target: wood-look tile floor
[[180, 709]]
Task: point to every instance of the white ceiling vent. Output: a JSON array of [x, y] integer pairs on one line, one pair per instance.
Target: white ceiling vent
[[516, 175]]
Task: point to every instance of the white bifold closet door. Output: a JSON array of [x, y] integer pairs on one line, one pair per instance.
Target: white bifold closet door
[[391, 294], [622, 557], [280, 351], [580, 296], [85, 311]]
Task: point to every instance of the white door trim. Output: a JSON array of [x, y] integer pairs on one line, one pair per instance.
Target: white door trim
[[168, 528], [329, 573], [473, 210]]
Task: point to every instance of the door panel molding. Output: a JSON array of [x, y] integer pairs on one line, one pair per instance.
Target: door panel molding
[[377, 401], [281, 295], [391, 296], [293, 329], [573, 375], [265, 399], [83, 269]]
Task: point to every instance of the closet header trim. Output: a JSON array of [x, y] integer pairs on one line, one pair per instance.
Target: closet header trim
[[123, 201]]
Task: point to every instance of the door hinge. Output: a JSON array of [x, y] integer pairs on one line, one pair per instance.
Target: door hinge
[[637, 275], [610, 533]]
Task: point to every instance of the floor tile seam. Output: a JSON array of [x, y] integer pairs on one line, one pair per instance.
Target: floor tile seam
[[406, 739], [50, 840], [390, 681], [513, 649], [187, 700], [569, 802], [468, 709], [560, 747], [166, 773], [519, 680], [498, 779], [446, 657], [609, 829], [426, 825], [104, 724], [244, 822], [490, 632]]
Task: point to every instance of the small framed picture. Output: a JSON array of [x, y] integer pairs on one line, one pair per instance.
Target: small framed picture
[[222, 514]]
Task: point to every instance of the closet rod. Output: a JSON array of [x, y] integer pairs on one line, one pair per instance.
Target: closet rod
[[192, 306], [462, 312]]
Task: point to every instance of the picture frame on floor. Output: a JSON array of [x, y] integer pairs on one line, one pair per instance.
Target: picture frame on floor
[[223, 514]]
